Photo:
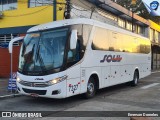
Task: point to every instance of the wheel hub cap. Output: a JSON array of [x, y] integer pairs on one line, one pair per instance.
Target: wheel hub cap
[[90, 88]]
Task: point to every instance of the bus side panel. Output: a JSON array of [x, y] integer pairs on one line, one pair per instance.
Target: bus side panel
[[145, 70], [83, 80], [116, 77], [73, 80], [106, 76], [93, 64], [127, 73], [148, 72]]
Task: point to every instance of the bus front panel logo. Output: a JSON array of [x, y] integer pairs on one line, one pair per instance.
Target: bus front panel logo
[[111, 58]]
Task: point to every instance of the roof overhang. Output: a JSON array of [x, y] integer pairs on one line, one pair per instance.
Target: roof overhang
[[120, 11]]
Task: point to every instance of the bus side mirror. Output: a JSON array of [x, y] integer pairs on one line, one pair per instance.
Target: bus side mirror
[[73, 40], [10, 48]]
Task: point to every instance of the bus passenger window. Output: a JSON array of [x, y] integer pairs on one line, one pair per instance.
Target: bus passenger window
[[100, 41]]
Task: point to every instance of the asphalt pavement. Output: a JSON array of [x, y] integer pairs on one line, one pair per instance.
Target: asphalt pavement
[[4, 92], [4, 87]]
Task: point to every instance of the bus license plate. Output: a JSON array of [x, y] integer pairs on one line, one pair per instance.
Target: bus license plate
[[34, 95]]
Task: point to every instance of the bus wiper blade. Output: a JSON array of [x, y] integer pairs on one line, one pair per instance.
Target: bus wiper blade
[[29, 55], [42, 65]]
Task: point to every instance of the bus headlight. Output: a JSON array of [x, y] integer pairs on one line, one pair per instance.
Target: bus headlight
[[57, 80], [18, 79]]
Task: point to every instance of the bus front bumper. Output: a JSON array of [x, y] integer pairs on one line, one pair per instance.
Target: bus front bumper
[[54, 91]]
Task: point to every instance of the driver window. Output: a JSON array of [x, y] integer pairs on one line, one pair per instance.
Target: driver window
[[74, 55], [83, 37]]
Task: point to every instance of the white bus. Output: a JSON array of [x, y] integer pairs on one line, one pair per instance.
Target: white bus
[[75, 56]]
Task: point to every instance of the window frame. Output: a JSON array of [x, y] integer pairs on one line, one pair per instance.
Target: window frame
[[137, 48]]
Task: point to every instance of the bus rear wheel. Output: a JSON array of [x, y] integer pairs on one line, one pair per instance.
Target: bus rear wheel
[[134, 82], [91, 88]]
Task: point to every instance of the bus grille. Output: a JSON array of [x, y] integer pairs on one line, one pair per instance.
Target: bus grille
[[34, 84], [39, 92]]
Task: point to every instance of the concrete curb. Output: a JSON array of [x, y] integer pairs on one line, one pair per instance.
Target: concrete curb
[[140, 118], [155, 72], [10, 96]]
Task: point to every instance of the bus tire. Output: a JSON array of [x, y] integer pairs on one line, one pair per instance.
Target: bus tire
[[91, 88], [134, 82]]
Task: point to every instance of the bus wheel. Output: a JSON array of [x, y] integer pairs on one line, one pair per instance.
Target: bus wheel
[[135, 79], [91, 88]]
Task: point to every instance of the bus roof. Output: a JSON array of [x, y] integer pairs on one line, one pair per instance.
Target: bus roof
[[87, 21], [61, 23]]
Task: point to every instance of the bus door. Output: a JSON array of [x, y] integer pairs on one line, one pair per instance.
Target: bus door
[[73, 72]]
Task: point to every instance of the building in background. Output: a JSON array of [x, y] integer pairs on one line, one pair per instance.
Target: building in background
[[155, 39], [114, 13], [16, 17]]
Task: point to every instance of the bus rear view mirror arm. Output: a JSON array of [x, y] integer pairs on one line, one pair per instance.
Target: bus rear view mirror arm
[[73, 39], [10, 48]]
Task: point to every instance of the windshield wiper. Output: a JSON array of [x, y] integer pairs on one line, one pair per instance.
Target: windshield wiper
[[42, 65], [30, 54]]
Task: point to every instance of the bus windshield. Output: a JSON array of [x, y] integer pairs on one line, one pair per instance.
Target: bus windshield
[[42, 52]]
